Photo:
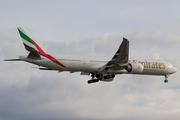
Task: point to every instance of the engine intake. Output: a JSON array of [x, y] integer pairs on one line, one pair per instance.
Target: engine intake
[[134, 68]]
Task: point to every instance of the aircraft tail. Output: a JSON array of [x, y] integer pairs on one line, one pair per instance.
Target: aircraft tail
[[32, 48]]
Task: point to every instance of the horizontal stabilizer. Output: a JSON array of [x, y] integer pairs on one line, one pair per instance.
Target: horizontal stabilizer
[[45, 69], [40, 68], [13, 60]]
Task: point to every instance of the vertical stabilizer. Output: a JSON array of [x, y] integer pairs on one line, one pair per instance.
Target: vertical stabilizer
[[33, 49], [29, 44]]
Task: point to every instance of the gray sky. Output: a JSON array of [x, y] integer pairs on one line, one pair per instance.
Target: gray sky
[[89, 28]]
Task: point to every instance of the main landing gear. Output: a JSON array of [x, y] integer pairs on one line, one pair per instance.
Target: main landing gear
[[93, 80], [166, 80], [98, 77], [109, 76]]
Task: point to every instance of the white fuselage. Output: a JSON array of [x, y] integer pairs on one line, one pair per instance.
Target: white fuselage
[[92, 64]]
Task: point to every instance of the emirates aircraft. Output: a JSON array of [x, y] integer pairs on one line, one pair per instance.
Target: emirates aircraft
[[100, 69]]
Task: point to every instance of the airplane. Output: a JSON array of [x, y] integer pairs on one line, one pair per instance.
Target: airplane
[[100, 69]]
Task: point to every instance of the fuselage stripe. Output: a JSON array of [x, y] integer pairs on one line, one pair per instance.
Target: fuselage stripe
[[47, 55]]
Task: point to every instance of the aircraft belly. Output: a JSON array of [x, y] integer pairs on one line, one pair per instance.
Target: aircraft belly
[[147, 71]]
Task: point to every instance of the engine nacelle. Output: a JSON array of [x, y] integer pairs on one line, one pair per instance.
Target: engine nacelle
[[134, 68]]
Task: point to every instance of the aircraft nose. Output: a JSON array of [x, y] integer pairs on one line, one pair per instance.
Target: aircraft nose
[[175, 69]]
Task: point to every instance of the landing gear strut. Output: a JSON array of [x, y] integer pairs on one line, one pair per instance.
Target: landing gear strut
[[166, 80], [93, 80], [98, 77]]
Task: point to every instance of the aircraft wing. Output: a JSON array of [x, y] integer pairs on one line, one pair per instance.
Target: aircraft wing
[[120, 59]]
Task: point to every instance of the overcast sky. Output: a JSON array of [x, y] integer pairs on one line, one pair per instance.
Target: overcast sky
[[89, 28]]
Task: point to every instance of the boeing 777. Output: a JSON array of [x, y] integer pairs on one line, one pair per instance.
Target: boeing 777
[[100, 69]]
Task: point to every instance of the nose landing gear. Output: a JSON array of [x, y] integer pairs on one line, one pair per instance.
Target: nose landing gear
[[166, 80]]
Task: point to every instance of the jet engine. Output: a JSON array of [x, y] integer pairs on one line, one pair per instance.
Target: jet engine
[[134, 68]]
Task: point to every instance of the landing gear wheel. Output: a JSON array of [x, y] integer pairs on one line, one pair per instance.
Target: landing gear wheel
[[106, 77], [113, 75], [90, 81], [165, 81], [93, 81], [109, 76], [166, 78]]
